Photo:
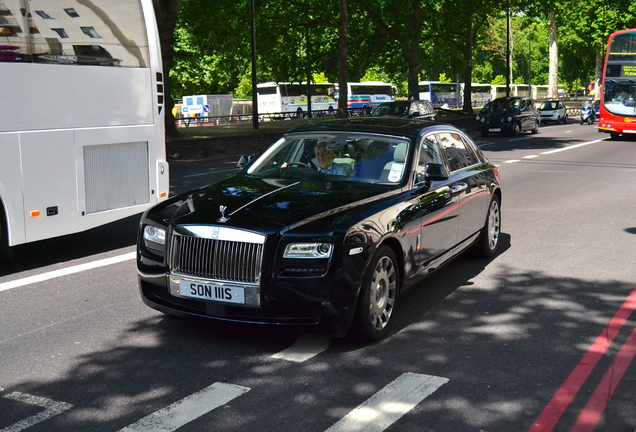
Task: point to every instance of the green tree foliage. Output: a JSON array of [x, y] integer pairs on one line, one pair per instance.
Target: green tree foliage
[[212, 47], [397, 41]]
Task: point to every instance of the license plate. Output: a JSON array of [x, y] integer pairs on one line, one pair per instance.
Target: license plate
[[494, 130], [226, 294]]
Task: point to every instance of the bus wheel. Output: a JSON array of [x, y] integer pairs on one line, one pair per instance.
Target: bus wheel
[[614, 135], [367, 110], [299, 113]]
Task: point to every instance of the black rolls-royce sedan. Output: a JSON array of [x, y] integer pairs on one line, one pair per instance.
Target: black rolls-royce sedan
[[325, 228]]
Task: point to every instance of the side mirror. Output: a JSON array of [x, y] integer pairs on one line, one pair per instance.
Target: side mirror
[[244, 160], [435, 171]]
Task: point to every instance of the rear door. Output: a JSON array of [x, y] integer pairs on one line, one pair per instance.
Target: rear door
[[468, 183], [436, 207]]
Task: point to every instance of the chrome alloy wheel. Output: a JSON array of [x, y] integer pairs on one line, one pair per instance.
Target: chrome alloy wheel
[[494, 224], [383, 292]]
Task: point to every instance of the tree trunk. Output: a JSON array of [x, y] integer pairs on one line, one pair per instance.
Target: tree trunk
[[553, 73], [167, 13], [414, 55], [343, 57], [468, 68], [598, 76]]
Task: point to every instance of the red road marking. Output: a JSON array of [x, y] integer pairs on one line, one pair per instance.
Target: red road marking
[[551, 414], [595, 407]]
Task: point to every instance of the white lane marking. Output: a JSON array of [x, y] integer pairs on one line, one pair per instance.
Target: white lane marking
[[65, 271], [389, 404], [530, 157], [573, 146], [512, 161], [306, 347], [51, 409], [517, 139], [187, 409]]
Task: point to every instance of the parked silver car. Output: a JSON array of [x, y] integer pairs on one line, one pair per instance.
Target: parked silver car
[[553, 110]]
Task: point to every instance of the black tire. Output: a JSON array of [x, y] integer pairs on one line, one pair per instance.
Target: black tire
[[614, 136], [536, 128], [488, 242], [299, 113], [590, 120], [515, 129], [378, 297]]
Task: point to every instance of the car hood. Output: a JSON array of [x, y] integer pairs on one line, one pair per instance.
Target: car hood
[[498, 115], [273, 204]]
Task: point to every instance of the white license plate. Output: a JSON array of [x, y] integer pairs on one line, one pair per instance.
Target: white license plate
[[227, 294], [494, 130]]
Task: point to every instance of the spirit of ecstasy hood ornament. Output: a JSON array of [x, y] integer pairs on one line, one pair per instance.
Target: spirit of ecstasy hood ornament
[[222, 218]]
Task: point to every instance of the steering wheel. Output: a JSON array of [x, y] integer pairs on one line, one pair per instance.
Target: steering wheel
[[298, 164]]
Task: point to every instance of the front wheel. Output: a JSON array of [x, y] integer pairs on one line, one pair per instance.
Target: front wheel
[[536, 128], [515, 129], [590, 120], [378, 297], [488, 241]]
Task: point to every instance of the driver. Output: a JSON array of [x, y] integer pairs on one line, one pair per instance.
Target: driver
[[324, 158]]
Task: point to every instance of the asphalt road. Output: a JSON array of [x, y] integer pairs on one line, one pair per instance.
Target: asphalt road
[[539, 338]]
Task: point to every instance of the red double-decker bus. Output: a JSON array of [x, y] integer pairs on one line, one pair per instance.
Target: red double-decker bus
[[618, 88]]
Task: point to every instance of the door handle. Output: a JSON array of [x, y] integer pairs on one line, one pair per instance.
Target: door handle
[[458, 188]]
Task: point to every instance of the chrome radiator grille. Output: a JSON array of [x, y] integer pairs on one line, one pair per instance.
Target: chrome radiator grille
[[216, 259]]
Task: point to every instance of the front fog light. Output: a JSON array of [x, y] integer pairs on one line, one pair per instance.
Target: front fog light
[[155, 235], [308, 250]]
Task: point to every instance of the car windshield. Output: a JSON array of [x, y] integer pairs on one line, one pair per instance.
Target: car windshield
[[548, 106], [619, 97], [505, 104], [334, 156], [391, 109]]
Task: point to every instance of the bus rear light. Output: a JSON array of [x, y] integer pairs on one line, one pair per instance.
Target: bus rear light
[[34, 213]]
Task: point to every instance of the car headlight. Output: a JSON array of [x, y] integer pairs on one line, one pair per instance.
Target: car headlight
[[155, 235], [509, 119], [308, 250]]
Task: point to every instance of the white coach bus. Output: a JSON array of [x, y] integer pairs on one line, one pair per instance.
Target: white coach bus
[[285, 97], [81, 120]]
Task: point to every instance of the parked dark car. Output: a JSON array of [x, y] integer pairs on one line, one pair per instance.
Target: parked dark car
[[282, 243], [421, 109], [508, 116]]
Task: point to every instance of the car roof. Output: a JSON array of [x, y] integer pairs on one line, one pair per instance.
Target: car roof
[[381, 125], [403, 102], [512, 98]]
